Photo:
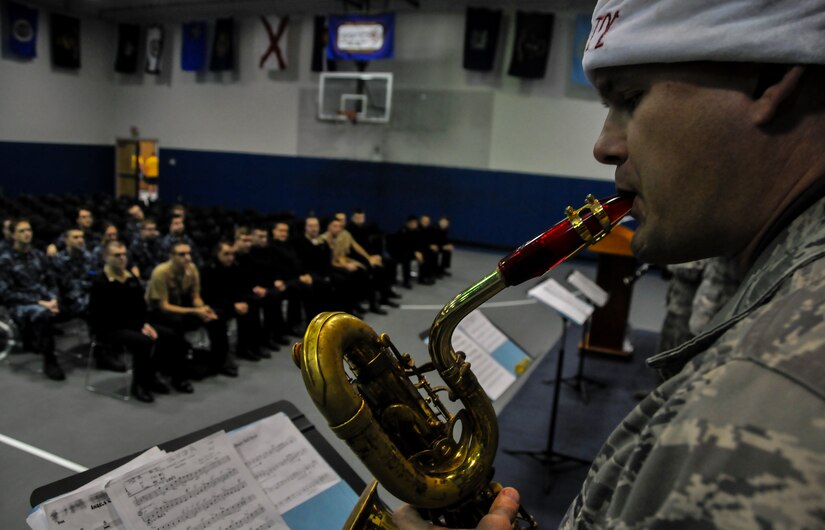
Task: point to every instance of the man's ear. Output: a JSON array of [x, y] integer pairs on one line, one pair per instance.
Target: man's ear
[[766, 104]]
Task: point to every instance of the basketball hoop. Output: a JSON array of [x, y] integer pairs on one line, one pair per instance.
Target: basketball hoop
[[350, 115]]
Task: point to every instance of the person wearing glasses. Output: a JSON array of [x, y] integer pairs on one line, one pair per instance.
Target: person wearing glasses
[[118, 318], [174, 298]]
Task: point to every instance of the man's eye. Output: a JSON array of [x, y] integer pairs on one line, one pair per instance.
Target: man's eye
[[631, 101]]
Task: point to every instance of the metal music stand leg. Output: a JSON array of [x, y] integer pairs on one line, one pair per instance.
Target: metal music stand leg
[[580, 382], [549, 457]]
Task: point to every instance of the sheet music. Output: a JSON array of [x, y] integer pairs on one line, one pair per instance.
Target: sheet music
[[492, 377], [553, 294], [288, 467], [87, 507], [479, 327], [202, 486], [588, 288]]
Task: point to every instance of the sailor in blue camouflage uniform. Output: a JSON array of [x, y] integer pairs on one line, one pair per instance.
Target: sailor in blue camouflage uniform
[[145, 249], [177, 235], [28, 289], [73, 272], [716, 123]]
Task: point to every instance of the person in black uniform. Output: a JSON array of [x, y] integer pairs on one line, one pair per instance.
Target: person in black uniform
[[300, 289], [117, 317]]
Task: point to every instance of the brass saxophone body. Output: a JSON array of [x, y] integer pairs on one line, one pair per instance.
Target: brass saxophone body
[[378, 401]]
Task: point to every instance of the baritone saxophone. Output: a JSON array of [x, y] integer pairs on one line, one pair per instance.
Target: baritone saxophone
[[377, 400]]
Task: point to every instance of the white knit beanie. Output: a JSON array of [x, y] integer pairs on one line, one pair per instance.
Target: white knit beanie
[[628, 32]]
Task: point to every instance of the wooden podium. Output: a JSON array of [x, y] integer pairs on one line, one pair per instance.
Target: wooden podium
[[606, 333]]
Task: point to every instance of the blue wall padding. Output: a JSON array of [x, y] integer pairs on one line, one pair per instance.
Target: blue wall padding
[[489, 207], [39, 168], [497, 208]]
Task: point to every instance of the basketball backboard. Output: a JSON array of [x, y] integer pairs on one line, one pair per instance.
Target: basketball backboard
[[355, 97]]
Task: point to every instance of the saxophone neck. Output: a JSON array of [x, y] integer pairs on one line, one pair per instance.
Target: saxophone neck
[[441, 332]]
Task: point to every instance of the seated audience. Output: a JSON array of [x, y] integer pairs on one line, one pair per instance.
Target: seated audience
[[445, 248], [429, 248], [316, 256], [134, 221], [84, 221], [118, 318], [259, 269], [371, 238], [255, 293], [8, 240], [174, 299], [357, 272], [110, 233], [177, 234], [405, 246], [145, 249], [73, 271], [225, 290], [28, 289], [300, 289]]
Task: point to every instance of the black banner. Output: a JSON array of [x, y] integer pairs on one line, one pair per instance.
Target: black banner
[[65, 37], [128, 42], [223, 46], [481, 38], [531, 48]]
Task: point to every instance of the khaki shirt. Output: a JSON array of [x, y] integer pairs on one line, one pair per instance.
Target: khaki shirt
[[340, 245], [176, 289]]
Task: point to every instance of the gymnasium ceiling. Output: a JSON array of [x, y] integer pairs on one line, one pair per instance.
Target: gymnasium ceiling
[[177, 10]]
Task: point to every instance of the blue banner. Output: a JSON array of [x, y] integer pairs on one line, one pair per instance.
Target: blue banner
[[361, 37], [23, 30], [193, 50], [579, 42]]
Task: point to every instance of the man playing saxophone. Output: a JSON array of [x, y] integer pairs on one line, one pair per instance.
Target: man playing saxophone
[[716, 123]]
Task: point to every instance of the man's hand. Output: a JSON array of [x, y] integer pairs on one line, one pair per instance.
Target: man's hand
[[306, 278], [448, 247], [500, 517], [376, 261], [419, 257], [149, 331], [135, 271], [206, 313], [242, 308], [280, 285], [353, 266], [259, 291], [434, 248], [51, 305], [51, 250]]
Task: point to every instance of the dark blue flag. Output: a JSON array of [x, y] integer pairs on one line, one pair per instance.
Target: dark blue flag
[[193, 52], [361, 37], [23, 30]]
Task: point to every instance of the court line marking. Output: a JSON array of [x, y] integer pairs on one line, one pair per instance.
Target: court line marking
[[68, 464], [509, 303]]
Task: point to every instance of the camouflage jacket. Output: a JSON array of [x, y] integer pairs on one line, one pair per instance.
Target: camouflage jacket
[[26, 278], [73, 273], [735, 437], [146, 254]]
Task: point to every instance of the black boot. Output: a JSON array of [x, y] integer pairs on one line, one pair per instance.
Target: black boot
[[51, 369]]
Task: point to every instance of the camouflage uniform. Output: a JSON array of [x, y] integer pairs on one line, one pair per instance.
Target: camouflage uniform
[[73, 273], [736, 436], [680, 295], [146, 254], [719, 282], [25, 279]]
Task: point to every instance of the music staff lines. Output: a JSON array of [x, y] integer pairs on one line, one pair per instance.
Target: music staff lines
[[163, 509], [174, 483]]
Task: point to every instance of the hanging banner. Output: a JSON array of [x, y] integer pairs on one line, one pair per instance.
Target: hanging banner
[[65, 33], [128, 38], [481, 38], [361, 37], [154, 49], [23, 30], [271, 42], [579, 42], [193, 49]]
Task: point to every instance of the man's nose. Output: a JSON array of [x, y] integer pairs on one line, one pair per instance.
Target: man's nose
[[611, 145]]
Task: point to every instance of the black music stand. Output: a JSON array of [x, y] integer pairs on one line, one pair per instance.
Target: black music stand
[[580, 382], [50, 491], [549, 456]]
